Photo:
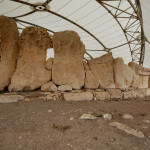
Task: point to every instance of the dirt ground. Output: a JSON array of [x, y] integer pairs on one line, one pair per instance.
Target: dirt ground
[[55, 125]]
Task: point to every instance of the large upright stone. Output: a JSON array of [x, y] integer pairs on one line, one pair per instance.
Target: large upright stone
[[9, 37], [102, 69], [31, 72], [68, 62], [135, 71], [123, 74]]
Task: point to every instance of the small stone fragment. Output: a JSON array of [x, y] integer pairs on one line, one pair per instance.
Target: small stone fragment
[[88, 117], [49, 63], [49, 111], [65, 87], [11, 98], [107, 116], [71, 118], [127, 116], [127, 129], [49, 87]]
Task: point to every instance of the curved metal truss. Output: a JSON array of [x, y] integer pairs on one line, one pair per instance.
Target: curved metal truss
[[133, 30]]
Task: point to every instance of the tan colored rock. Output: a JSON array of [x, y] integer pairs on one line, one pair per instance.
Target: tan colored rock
[[11, 98], [127, 129], [68, 62], [90, 82], [31, 72], [128, 95], [141, 93], [103, 95], [144, 81], [84, 96], [86, 66], [9, 38], [123, 74], [103, 71], [135, 69], [65, 87], [49, 63], [49, 87], [115, 93]]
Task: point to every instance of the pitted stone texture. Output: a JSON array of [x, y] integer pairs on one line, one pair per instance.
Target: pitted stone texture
[[68, 62], [115, 93], [86, 66], [9, 38], [90, 82], [31, 72], [102, 95], [123, 74], [83, 96], [144, 81], [49, 87], [49, 63], [135, 69], [65, 87], [103, 71]]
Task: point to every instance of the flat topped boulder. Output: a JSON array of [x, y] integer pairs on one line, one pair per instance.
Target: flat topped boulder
[[31, 72], [68, 62], [103, 70], [9, 38]]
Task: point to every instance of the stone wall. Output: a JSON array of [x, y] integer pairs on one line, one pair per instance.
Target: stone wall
[[67, 71]]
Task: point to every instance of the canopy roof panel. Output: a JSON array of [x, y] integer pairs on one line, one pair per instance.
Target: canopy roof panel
[[103, 25]]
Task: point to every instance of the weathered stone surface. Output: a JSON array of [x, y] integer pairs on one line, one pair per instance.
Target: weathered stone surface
[[144, 81], [103, 71], [11, 98], [84, 96], [141, 93], [68, 62], [127, 116], [65, 87], [127, 129], [107, 116], [123, 74], [49, 63], [31, 72], [86, 66], [88, 117], [135, 69], [115, 93], [90, 82], [102, 95], [9, 38], [49, 87], [128, 94]]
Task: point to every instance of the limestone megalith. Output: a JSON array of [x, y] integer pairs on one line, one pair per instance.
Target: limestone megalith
[[68, 61], [9, 37], [31, 72]]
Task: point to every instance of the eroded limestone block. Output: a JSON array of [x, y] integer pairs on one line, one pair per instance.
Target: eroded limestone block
[[49, 87], [49, 63], [90, 82], [135, 69], [144, 81], [65, 88], [31, 72], [123, 74], [9, 37], [102, 95], [102, 69], [83, 96], [115, 93], [68, 62]]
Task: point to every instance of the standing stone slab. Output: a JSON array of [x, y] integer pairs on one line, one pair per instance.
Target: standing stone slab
[[135, 69], [31, 72], [103, 70], [123, 74], [9, 38], [90, 82], [68, 62]]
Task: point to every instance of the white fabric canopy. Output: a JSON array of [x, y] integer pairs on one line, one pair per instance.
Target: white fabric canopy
[[101, 26]]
